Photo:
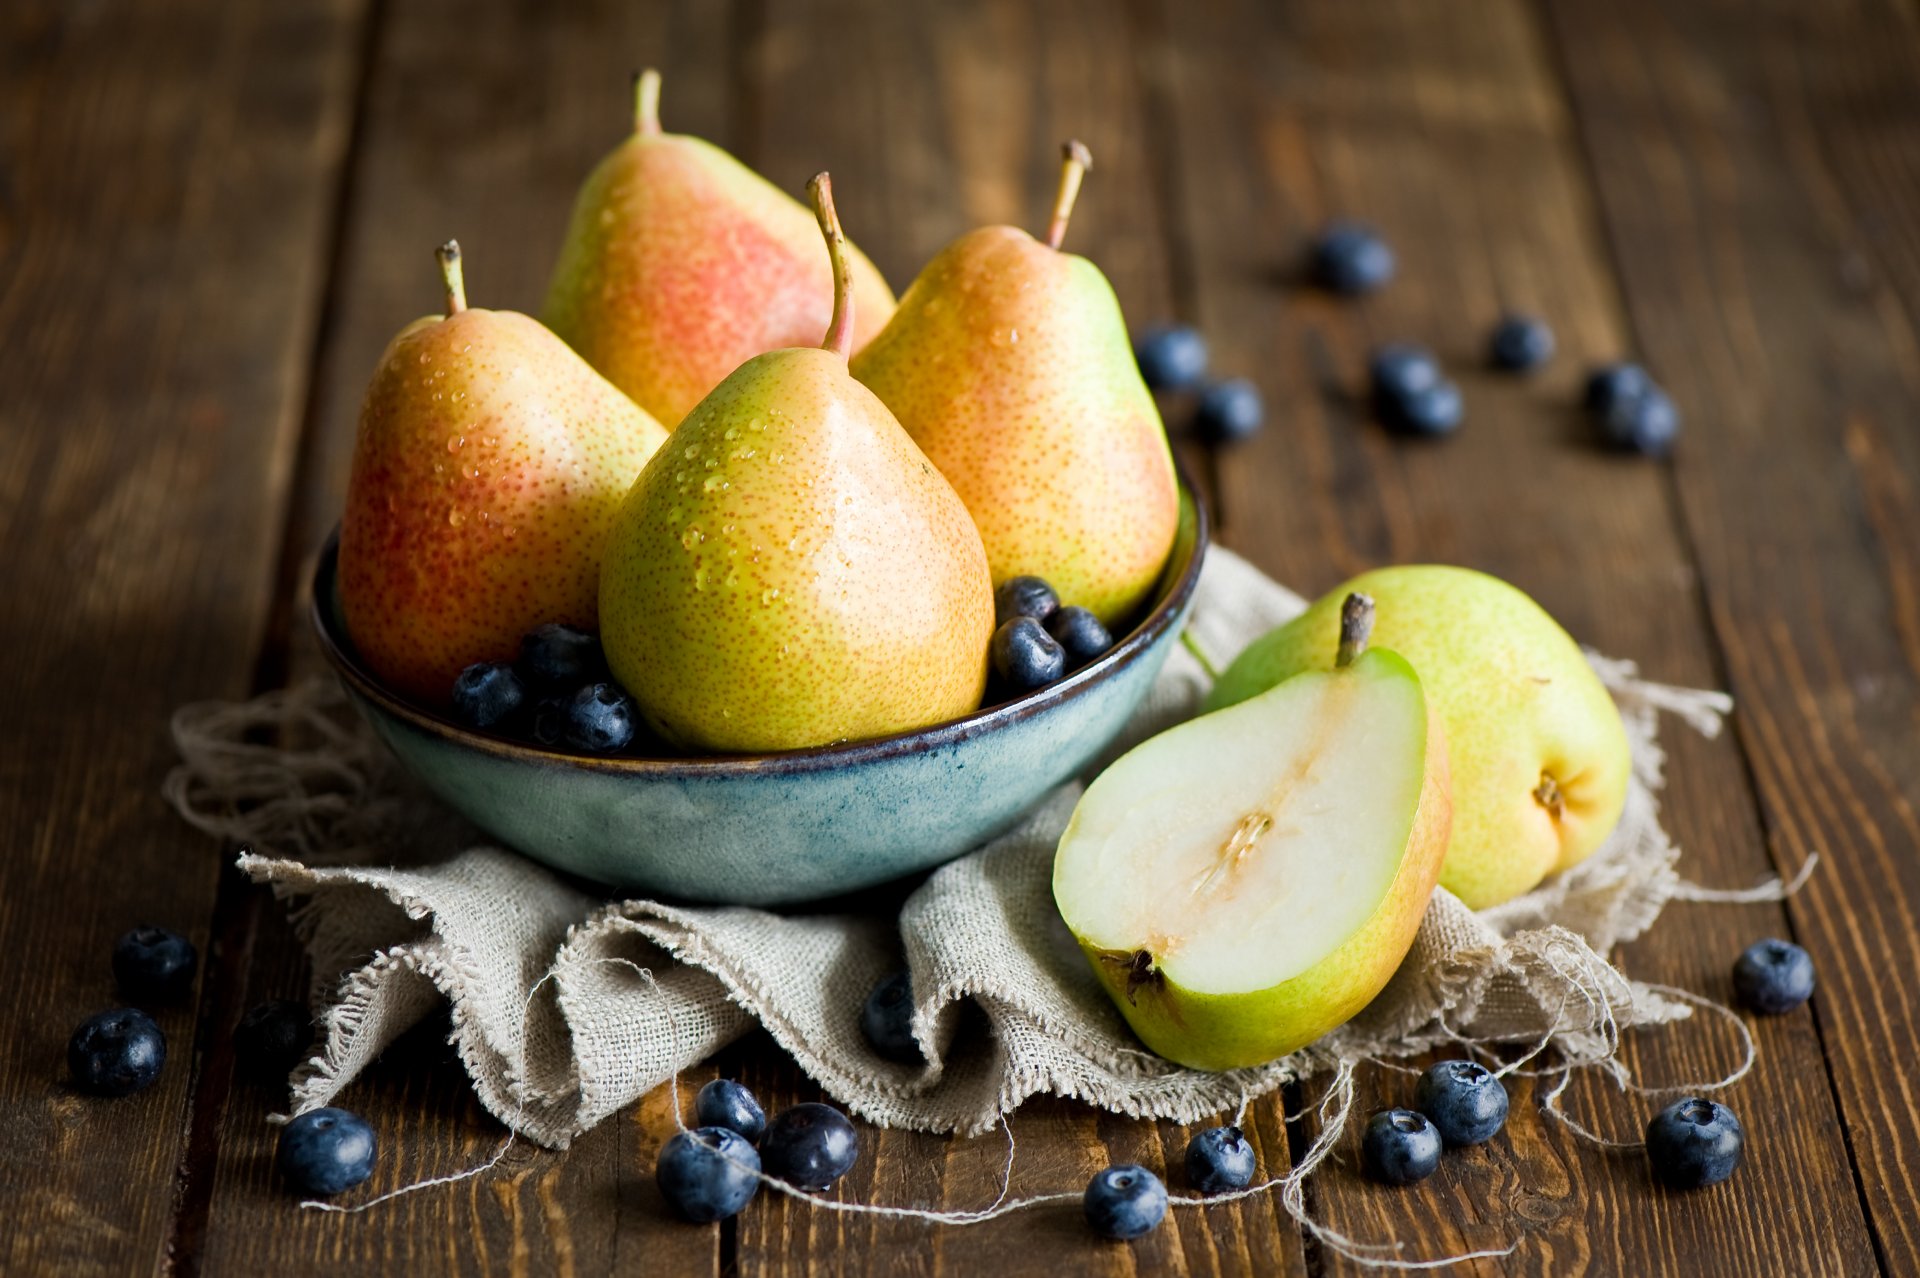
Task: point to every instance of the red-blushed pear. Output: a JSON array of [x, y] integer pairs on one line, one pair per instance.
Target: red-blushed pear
[[1009, 364], [681, 263], [1540, 761], [1250, 879], [790, 570], [489, 461]]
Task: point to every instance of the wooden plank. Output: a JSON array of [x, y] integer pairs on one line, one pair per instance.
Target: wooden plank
[[1445, 125], [1757, 175], [164, 193], [480, 122], [935, 120]]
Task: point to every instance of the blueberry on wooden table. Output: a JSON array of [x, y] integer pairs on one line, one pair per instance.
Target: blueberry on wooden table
[[1612, 384], [326, 1151], [1520, 343], [487, 693], [1398, 370], [1079, 634], [1773, 976], [725, 1103], [273, 1037], [708, 1174], [116, 1053], [1463, 1100], [809, 1146], [1400, 1147], [887, 1019], [1646, 424], [1350, 258], [1229, 412], [1125, 1202], [599, 719], [1219, 1159], [556, 656], [1430, 412], [1693, 1143], [1023, 597], [1171, 358], [152, 963], [1025, 656]]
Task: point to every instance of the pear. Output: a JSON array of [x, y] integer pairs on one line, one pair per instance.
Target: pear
[[681, 263], [1250, 879], [488, 464], [790, 570], [1540, 761], [1009, 364]]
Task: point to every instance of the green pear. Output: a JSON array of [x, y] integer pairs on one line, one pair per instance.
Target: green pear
[[790, 570], [1009, 364], [681, 263], [1540, 761], [1250, 879], [488, 464]]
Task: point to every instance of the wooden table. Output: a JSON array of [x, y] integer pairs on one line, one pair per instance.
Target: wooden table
[[214, 213]]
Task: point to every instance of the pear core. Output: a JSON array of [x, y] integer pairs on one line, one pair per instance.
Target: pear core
[[1238, 850]]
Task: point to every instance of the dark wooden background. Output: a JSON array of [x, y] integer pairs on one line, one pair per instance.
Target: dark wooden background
[[213, 214]]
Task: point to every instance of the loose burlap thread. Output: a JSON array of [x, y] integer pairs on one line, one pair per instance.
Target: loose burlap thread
[[568, 1006]]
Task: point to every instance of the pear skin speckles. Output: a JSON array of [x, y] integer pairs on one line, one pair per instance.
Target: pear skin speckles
[[1009, 364], [488, 463]]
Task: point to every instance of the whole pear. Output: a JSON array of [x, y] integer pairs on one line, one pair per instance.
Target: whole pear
[[1009, 364], [681, 263], [1248, 880], [1539, 754], [488, 464], [790, 570]]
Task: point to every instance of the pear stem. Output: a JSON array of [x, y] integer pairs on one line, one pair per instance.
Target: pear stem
[[456, 279], [1074, 163], [646, 102], [1356, 627], [839, 338]]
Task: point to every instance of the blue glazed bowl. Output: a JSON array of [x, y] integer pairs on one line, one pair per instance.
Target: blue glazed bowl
[[777, 828]]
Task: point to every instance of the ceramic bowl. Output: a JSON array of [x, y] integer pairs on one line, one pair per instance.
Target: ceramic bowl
[[777, 828]]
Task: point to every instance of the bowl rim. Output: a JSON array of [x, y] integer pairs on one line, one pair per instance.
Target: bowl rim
[[336, 646]]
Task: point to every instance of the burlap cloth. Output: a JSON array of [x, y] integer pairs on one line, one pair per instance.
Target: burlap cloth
[[402, 907]]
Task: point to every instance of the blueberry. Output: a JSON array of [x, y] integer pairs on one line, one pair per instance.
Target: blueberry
[[1400, 1147], [599, 719], [1693, 1143], [549, 726], [1773, 976], [1023, 597], [116, 1053], [1644, 424], [1520, 343], [1219, 1159], [1229, 411], [487, 693], [809, 1146], [725, 1103], [708, 1173], [1351, 258], [887, 1019], [1464, 1101], [1025, 656], [153, 964], [1079, 633], [1125, 1202], [1612, 384], [325, 1151], [1429, 414], [1399, 370], [273, 1038], [1171, 358], [559, 656]]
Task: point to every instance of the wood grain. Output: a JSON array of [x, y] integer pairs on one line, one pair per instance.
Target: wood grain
[[164, 200], [1757, 176], [1445, 126]]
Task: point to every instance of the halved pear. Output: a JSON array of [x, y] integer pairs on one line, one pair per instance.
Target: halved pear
[[1250, 879]]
